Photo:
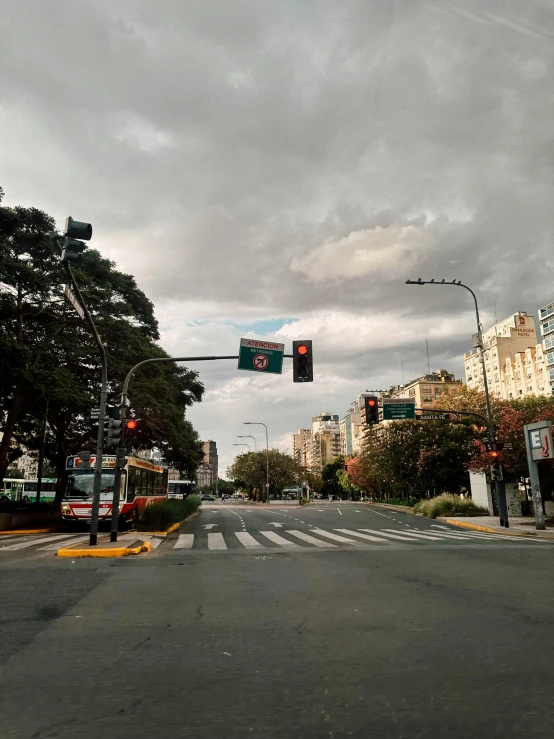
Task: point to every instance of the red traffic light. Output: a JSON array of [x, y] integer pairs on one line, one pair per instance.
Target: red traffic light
[[131, 424], [493, 453], [371, 402], [302, 349]]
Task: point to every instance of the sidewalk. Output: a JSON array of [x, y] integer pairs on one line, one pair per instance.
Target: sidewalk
[[519, 525]]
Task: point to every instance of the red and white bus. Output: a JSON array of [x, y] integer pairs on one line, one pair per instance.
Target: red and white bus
[[142, 483]]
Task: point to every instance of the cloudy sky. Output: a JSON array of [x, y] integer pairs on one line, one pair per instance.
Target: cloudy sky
[[278, 169]]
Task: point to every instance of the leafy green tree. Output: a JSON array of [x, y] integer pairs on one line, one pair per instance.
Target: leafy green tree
[[249, 472], [47, 353], [331, 485]]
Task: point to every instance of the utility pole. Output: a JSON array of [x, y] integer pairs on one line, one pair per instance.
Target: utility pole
[[498, 483], [41, 451]]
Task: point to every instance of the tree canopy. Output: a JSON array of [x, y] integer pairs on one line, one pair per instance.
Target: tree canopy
[[48, 357], [249, 472]]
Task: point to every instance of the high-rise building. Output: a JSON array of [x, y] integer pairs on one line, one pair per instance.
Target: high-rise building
[[425, 390], [325, 443], [514, 361], [207, 473], [546, 320], [301, 446]]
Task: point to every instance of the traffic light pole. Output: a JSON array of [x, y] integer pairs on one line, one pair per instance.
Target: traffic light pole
[[103, 396]]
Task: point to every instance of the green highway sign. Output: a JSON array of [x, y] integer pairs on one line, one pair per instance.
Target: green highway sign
[[261, 356], [398, 409]]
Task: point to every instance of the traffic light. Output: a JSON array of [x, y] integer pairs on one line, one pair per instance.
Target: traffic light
[[371, 406], [73, 248], [302, 361], [494, 448], [114, 432]]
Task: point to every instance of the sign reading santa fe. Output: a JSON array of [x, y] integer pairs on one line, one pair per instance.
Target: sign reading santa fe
[[261, 356]]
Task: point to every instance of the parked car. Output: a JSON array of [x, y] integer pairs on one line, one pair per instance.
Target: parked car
[[207, 497]]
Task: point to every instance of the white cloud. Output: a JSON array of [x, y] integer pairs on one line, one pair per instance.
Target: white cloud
[[377, 251]]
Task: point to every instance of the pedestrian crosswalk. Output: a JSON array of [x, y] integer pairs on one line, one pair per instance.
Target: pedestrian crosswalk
[[314, 538]]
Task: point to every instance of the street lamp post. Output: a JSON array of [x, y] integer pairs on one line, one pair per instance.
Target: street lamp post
[[259, 423], [500, 488], [248, 445], [249, 436]]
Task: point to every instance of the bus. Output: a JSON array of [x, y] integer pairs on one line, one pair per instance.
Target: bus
[[179, 489], [12, 489], [47, 490], [142, 483]]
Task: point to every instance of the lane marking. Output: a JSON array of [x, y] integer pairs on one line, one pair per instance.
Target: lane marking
[[184, 541], [339, 510], [335, 537], [310, 539], [247, 540], [41, 540], [216, 541], [280, 540]]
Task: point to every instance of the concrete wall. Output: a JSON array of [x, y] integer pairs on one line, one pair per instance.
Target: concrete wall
[[480, 491]]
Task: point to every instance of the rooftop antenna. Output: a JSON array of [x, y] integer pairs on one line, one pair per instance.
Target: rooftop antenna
[[428, 361], [402, 365], [494, 308]]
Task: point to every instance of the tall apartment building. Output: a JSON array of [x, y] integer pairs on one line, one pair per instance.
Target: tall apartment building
[[207, 473], [325, 445], [514, 361], [546, 320], [428, 388], [301, 445]]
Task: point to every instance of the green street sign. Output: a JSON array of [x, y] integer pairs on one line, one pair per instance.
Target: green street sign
[[398, 409], [261, 356]]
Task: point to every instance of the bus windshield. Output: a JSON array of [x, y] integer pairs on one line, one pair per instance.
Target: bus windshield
[[82, 485]]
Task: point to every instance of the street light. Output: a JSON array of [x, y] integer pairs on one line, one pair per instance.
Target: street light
[[248, 445], [501, 492], [259, 423], [249, 436]]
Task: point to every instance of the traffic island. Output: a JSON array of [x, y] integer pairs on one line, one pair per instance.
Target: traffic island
[[106, 549]]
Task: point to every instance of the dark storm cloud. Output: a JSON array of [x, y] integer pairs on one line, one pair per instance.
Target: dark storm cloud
[[256, 159]]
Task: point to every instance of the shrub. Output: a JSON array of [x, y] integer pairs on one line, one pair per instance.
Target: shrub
[[160, 516], [447, 505]]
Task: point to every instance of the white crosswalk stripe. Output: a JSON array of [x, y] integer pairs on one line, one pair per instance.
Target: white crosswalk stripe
[[30, 541], [335, 537], [280, 540], [184, 541], [398, 536], [247, 540], [58, 544], [310, 539], [367, 537], [216, 541], [416, 534]]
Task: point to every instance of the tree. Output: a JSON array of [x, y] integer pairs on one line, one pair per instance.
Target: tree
[[46, 351], [331, 485], [249, 472]]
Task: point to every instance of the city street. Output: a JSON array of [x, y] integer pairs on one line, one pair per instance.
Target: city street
[[366, 622]]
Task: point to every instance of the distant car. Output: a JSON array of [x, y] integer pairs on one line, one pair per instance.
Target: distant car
[[207, 497]]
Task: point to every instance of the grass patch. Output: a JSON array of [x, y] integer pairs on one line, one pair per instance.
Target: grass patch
[[447, 505], [396, 501], [160, 516]]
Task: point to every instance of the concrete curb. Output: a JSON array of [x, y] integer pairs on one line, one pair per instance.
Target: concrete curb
[[171, 529], [7, 532], [143, 547], [488, 530]]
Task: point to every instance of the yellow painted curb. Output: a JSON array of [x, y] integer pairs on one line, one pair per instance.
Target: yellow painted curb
[[119, 552], [488, 530], [30, 531]]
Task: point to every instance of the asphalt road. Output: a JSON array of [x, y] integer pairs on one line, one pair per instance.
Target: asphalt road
[[416, 637]]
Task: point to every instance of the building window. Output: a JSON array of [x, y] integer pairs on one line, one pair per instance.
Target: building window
[[549, 342], [547, 326], [546, 312], [427, 399]]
